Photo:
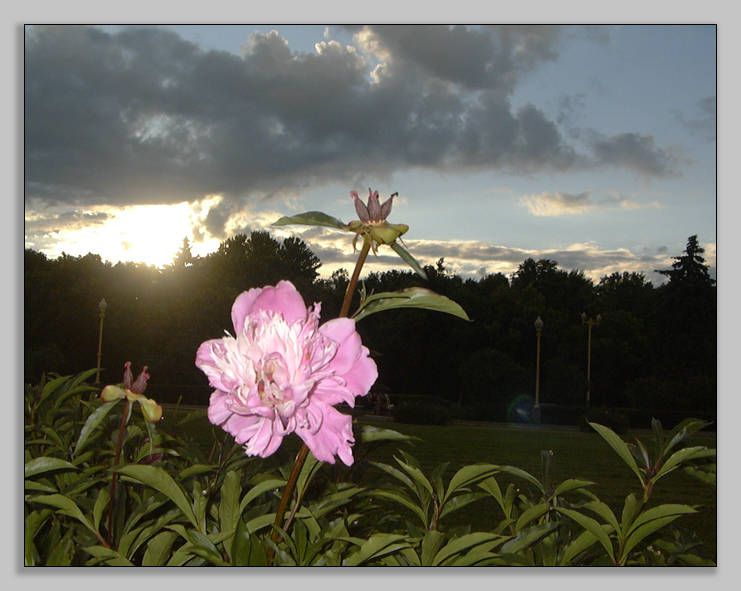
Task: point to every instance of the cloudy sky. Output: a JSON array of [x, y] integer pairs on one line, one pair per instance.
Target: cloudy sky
[[594, 146]]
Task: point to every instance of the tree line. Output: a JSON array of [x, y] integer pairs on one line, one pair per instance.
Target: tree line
[[654, 347]]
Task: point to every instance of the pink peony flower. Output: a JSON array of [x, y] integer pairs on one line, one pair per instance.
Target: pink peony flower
[[283, 373]]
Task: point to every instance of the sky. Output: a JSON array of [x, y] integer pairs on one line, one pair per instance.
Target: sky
[[590, 145]]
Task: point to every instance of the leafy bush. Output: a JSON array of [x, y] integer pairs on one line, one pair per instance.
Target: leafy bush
[[169, 500]]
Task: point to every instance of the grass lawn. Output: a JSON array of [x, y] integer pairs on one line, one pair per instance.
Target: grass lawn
[[576, 455]]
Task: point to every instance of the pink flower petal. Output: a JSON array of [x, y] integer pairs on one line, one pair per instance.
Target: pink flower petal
[[351, 361], [283, 298], [335, 438]]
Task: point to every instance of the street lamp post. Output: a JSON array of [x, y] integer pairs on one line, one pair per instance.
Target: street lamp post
[[536, 410], [102, 307], [589, 322]]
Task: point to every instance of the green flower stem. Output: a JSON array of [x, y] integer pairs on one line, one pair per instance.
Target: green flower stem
[[304, 452], [112, 500]]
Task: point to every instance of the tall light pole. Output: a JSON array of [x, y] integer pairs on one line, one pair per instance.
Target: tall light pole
[[590, 323], [102, 307], [536, 410]]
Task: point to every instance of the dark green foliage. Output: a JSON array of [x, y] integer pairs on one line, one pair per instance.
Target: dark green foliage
[[654, 348], [180, 502]]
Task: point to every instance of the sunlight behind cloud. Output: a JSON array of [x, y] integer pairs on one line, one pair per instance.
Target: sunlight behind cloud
[[150, 234]]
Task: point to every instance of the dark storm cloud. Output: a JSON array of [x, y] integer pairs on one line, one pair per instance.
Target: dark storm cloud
[[142, 116]]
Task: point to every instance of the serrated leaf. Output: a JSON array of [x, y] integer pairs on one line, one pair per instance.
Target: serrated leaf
[[411, 297], [312, 218]]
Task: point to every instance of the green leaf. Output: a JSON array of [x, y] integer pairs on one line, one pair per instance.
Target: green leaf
[[418, 477], [630, 509], [468, 475], [312, 218], [92, 422], [112, 558], [522, 474], [396, 473], [683, 430], [463, 543], [161, 481], [45, 464], [246, 550], [402, 499], [194, 470], [259, 489], [706, 473], [526, 538], [584, 541], [644, 530], [158, 549], [409, 259], [430, 545], [375, 547], [619, 446], [660, 512], [65, 505], [682, 455], [569, 485], [229, 502], [411, 297], [592, 526], [372, 434], [531, 514], [455, 503], [604, 511], [101, 504]]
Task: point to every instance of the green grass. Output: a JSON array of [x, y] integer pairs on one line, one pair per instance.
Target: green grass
[[576, 455]]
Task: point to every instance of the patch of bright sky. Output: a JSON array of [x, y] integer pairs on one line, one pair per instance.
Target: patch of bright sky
[[149, 233]]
